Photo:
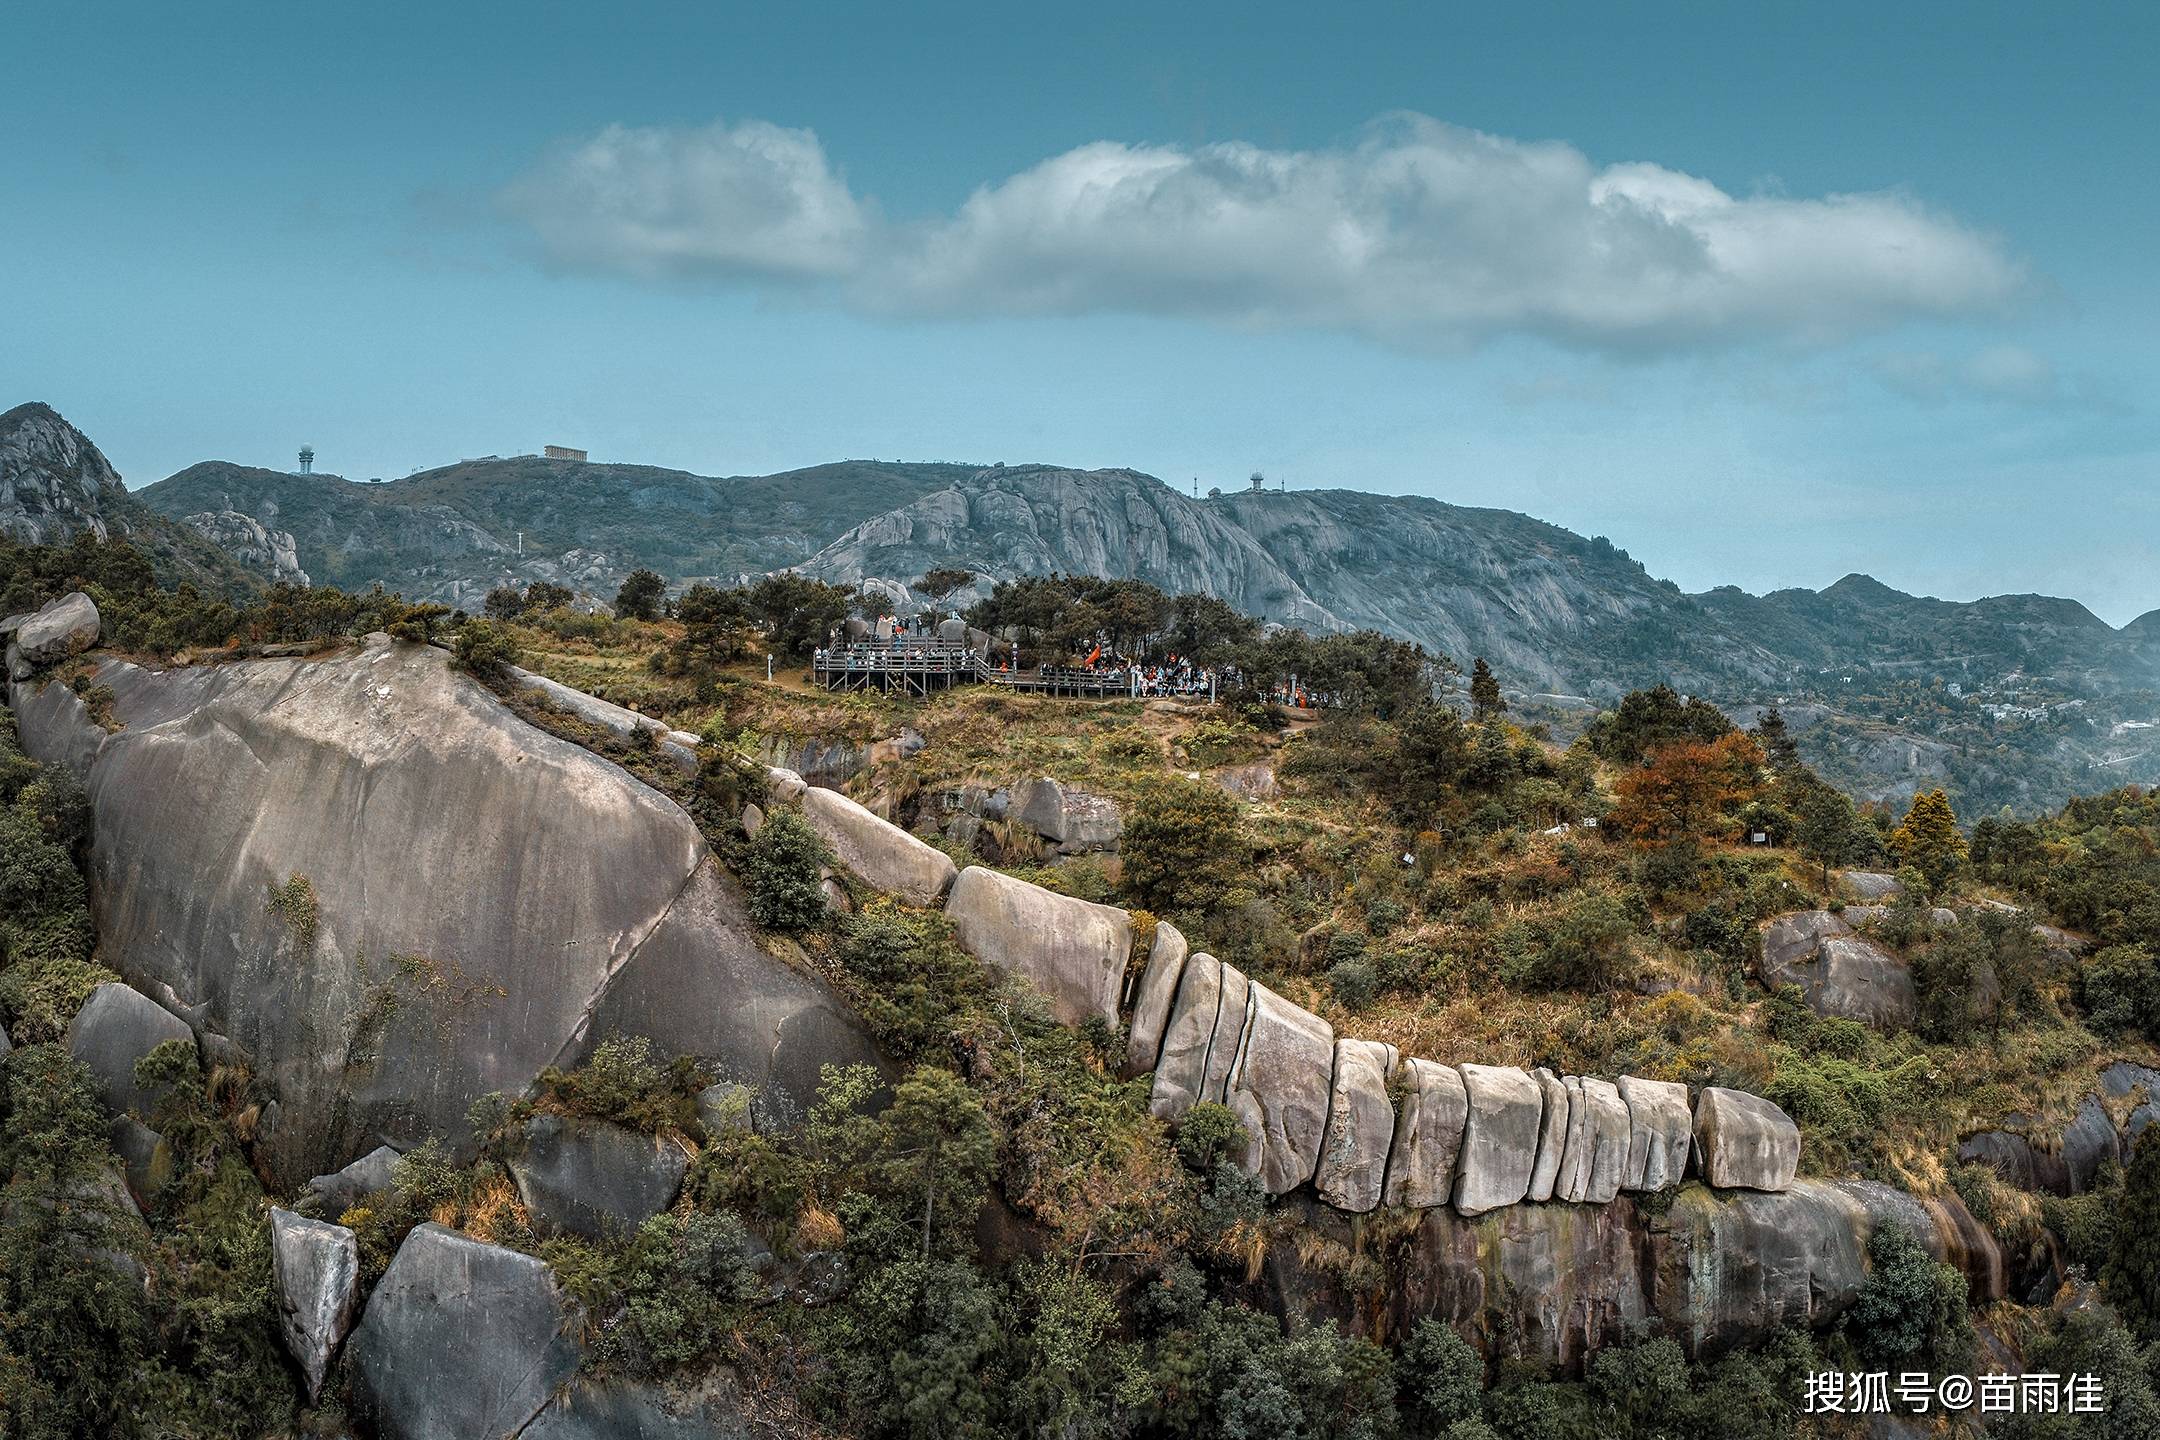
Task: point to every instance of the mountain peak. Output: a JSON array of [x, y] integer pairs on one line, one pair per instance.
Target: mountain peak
[[54, 484]]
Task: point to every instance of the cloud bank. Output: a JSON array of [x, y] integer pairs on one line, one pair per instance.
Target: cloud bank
[[1414, 232]]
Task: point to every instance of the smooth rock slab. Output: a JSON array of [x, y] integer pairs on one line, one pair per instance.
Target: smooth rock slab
[[1662, 1130], [371, 1174], [1360, 1127], [1552, 1135], [1599, 1135], [594, 1179], [1839, 973], [1743, 1142], [1872, 884], [1200, 1043], [116, 1027], [68, 626], [1500, 1137], [1153, 998], [1279, 1089], [880, 852], [318, 1278], [1428, 1135], [1072, 950], [461, 1340]]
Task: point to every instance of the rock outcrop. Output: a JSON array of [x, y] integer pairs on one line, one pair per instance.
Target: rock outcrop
[[594, 1179], [1200, 1042], [883, 854], [461, 1339], [1152, 998], [1279, 1088], [273, 554], [1360, 1127], [53, 482], [1743, 1142], [1660, 1133], [1428, 1135], [1073, 822], [461, 900], [340, 1190], [1600, 1136], [116, 1027], [1552, 1134], [1074, 951], [1838, 972], [2068, 1160], [68, 626], [317, 1268], [1500, 1138]]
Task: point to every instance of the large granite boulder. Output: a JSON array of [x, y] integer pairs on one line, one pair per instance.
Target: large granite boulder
[[1838, 972], [594, 1179], [1201, 1041], [482, 899], [317, 1268], [1734, 1268], [1600, 1134], [1941, 1224], [1743, 1142], [68, 626], [1500, 1137], [1279, 1089], [680, 747], [116, 1027], [878, 851], [340, 1190], [1360, 1127], [1552, 1135], [1871, 884], [2089, 1142], [1074, 951], [713, 1408], [1428, 1135], [461, 1339], [1154, 995], [1662, 1131], [1074, 822]]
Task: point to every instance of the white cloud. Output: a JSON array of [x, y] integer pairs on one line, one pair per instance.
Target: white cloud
[[748, 200], [1415, 232]]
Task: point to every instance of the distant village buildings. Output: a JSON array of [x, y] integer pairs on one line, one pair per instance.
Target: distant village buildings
[[561, 452]]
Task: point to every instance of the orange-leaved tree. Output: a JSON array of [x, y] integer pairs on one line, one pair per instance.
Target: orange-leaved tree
[[1689, 789]]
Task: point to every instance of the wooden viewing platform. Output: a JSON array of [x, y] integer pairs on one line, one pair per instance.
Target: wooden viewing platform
[[918, 665]]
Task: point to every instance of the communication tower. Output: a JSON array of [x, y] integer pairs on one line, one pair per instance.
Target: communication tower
[[307, 459]]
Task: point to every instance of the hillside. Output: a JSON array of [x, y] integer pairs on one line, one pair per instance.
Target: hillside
[[2018, 700], [55, 485]]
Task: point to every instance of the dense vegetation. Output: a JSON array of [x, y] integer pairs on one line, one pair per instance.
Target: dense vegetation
[[1002, 1240]]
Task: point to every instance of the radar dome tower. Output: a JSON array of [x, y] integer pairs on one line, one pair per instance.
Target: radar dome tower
[[307, 459]]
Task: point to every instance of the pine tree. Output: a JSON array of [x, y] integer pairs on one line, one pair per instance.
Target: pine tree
[[1485, 699], [1928, 840], [2132, 1273], [1829, 831], [1776, 739]]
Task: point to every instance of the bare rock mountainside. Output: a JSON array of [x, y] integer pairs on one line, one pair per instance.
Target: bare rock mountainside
[[2018, 700], [55, 485]]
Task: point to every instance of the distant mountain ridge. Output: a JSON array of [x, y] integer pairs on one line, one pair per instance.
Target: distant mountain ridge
[[2014, 699]]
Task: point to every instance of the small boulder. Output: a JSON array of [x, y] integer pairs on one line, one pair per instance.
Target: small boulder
[[116, 1027], [1840, 973], [1552, 1135], [1500, 1137], [753, 820], [1428, 1135], [144, 1160], [1072, 950], [592, 1178], [1153, 997], [1360, 1127], [784, 786], [1743, 1142], [879, 851], [461, 1339], [1279, 1089], [1075, 822], [68, 626], [1661, 1131], [371, 1174], [318, 1279], [1599, 1136]]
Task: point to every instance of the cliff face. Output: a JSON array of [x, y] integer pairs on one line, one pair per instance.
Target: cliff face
[[392, 896], [54, 483]]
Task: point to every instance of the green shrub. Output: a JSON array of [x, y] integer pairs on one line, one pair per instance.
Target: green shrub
[[484, 650], [1912, 1310], [780, 868]]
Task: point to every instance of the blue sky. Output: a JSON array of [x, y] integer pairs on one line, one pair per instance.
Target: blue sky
[[1765, 293]]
